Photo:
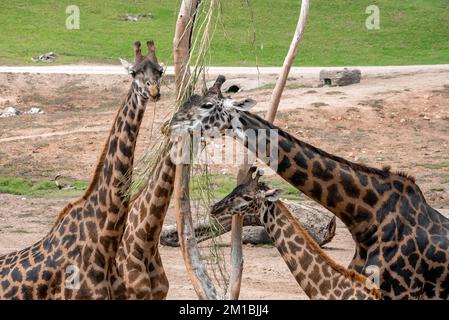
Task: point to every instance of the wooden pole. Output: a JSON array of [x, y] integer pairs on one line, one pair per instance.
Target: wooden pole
[[237, 221]]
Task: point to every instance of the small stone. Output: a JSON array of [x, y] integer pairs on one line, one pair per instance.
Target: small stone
[[35, 110], [342, 77], [130, 17], [426, 118], [402, 120], [46, 57]]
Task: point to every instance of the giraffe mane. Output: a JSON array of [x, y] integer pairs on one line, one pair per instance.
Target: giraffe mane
[[348, 273], [406, 175], [400, 173]]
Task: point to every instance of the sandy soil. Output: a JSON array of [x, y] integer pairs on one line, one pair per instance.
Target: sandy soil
[[402, 121]]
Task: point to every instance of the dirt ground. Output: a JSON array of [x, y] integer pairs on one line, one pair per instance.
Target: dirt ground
[[401, 121]]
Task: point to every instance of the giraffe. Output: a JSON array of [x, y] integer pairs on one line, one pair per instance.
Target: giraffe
[[76, 259], [318, 275], [395, 230], [140, 268]]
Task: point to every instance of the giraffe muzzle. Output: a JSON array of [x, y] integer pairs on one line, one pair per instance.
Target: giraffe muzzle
[[217, 209], [154, 92]]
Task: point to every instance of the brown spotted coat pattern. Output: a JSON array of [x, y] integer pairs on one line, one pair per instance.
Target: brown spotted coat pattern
[[394, 228], [76, 260], [318, 275]]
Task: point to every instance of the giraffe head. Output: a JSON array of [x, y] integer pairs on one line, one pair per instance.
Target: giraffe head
[[212, 113], [251, 197], [146, 71]]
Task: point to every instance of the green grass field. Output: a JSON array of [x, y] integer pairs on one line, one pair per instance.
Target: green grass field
[[412, 31], [40, 189], [220, 186]]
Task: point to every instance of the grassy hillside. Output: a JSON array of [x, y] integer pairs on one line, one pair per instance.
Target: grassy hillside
[[412, 31]]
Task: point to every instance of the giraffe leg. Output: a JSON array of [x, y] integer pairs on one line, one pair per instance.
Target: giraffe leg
[[158, 278], [357, 261]]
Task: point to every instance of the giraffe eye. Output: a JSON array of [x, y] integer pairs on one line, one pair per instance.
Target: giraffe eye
[[247, 198], [207, 106]]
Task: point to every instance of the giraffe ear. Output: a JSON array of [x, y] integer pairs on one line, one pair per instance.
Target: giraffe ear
[[273, 194], [244, 105], [162, 67], [128, 67]]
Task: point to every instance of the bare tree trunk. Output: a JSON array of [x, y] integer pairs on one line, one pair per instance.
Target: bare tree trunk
[[237, 221], [181, 44], [201, 281], [288, 62]]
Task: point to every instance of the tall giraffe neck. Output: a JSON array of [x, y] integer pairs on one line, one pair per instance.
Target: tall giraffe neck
[[88, 230], [318, 275], [112, 175], [118, 164], [351, 191], [139, 245]]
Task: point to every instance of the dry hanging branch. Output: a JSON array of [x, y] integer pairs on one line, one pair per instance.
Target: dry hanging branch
[[237, 221]]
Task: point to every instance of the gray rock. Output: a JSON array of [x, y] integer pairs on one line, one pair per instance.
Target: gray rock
[[343, 77], [319, 222], [137, 17], [9, 112], [255, 235], [316, 220], [47, 57]]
